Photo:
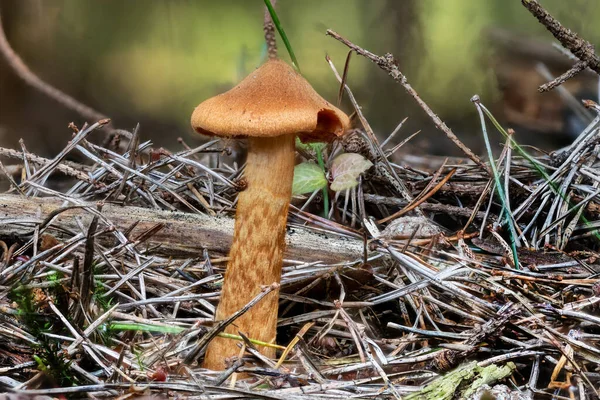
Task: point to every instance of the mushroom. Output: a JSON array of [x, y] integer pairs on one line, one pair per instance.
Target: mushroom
[[269, 107]]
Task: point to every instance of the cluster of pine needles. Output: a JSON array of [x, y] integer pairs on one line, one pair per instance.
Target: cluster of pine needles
[[467, 279]]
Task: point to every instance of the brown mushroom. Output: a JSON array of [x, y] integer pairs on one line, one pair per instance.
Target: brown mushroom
[[269, 107]]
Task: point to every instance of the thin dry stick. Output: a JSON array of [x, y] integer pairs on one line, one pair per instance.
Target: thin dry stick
[[389, 64], [62, 167], [581, 48], [269, 29], [559, 80], [34, 81], [383, 165], [12, 182], [418, 202]]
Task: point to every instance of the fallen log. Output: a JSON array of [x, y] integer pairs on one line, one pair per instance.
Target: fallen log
[[180, 234]]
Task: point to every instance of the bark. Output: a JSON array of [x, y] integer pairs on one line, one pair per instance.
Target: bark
[[182, 234]]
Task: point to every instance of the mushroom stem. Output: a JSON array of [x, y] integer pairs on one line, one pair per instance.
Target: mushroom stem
[[256, 255]]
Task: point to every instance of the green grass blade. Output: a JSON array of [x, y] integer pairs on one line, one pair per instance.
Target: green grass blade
[[538, 167], [144, 328], [284, 37], [499, 188], [325, 189]]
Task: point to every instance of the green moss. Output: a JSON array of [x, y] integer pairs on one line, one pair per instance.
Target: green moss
[[463, 381], [48, 352]]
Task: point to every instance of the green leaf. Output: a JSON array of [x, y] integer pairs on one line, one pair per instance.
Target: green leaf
[[345, 170], [310, 147], [308, 177]]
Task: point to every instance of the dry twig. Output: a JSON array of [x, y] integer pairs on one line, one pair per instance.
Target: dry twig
[[579, 47], [389, 64]]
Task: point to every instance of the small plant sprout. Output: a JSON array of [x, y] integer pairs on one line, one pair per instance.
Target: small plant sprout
[[345, 170], [308, 177]]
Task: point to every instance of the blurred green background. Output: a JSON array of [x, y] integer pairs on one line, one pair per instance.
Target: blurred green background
[[153, 61]]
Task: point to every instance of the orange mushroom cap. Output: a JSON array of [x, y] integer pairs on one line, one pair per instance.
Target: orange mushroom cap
[[273, 100]]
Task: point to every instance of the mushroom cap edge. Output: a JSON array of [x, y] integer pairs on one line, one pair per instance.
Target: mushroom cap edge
[[273, 100]]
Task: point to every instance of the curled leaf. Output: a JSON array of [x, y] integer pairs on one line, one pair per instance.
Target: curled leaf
[[308, 177], [345, 170]]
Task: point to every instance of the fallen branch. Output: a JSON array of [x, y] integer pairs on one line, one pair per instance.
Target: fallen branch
[[389, 64], [180, 234]]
